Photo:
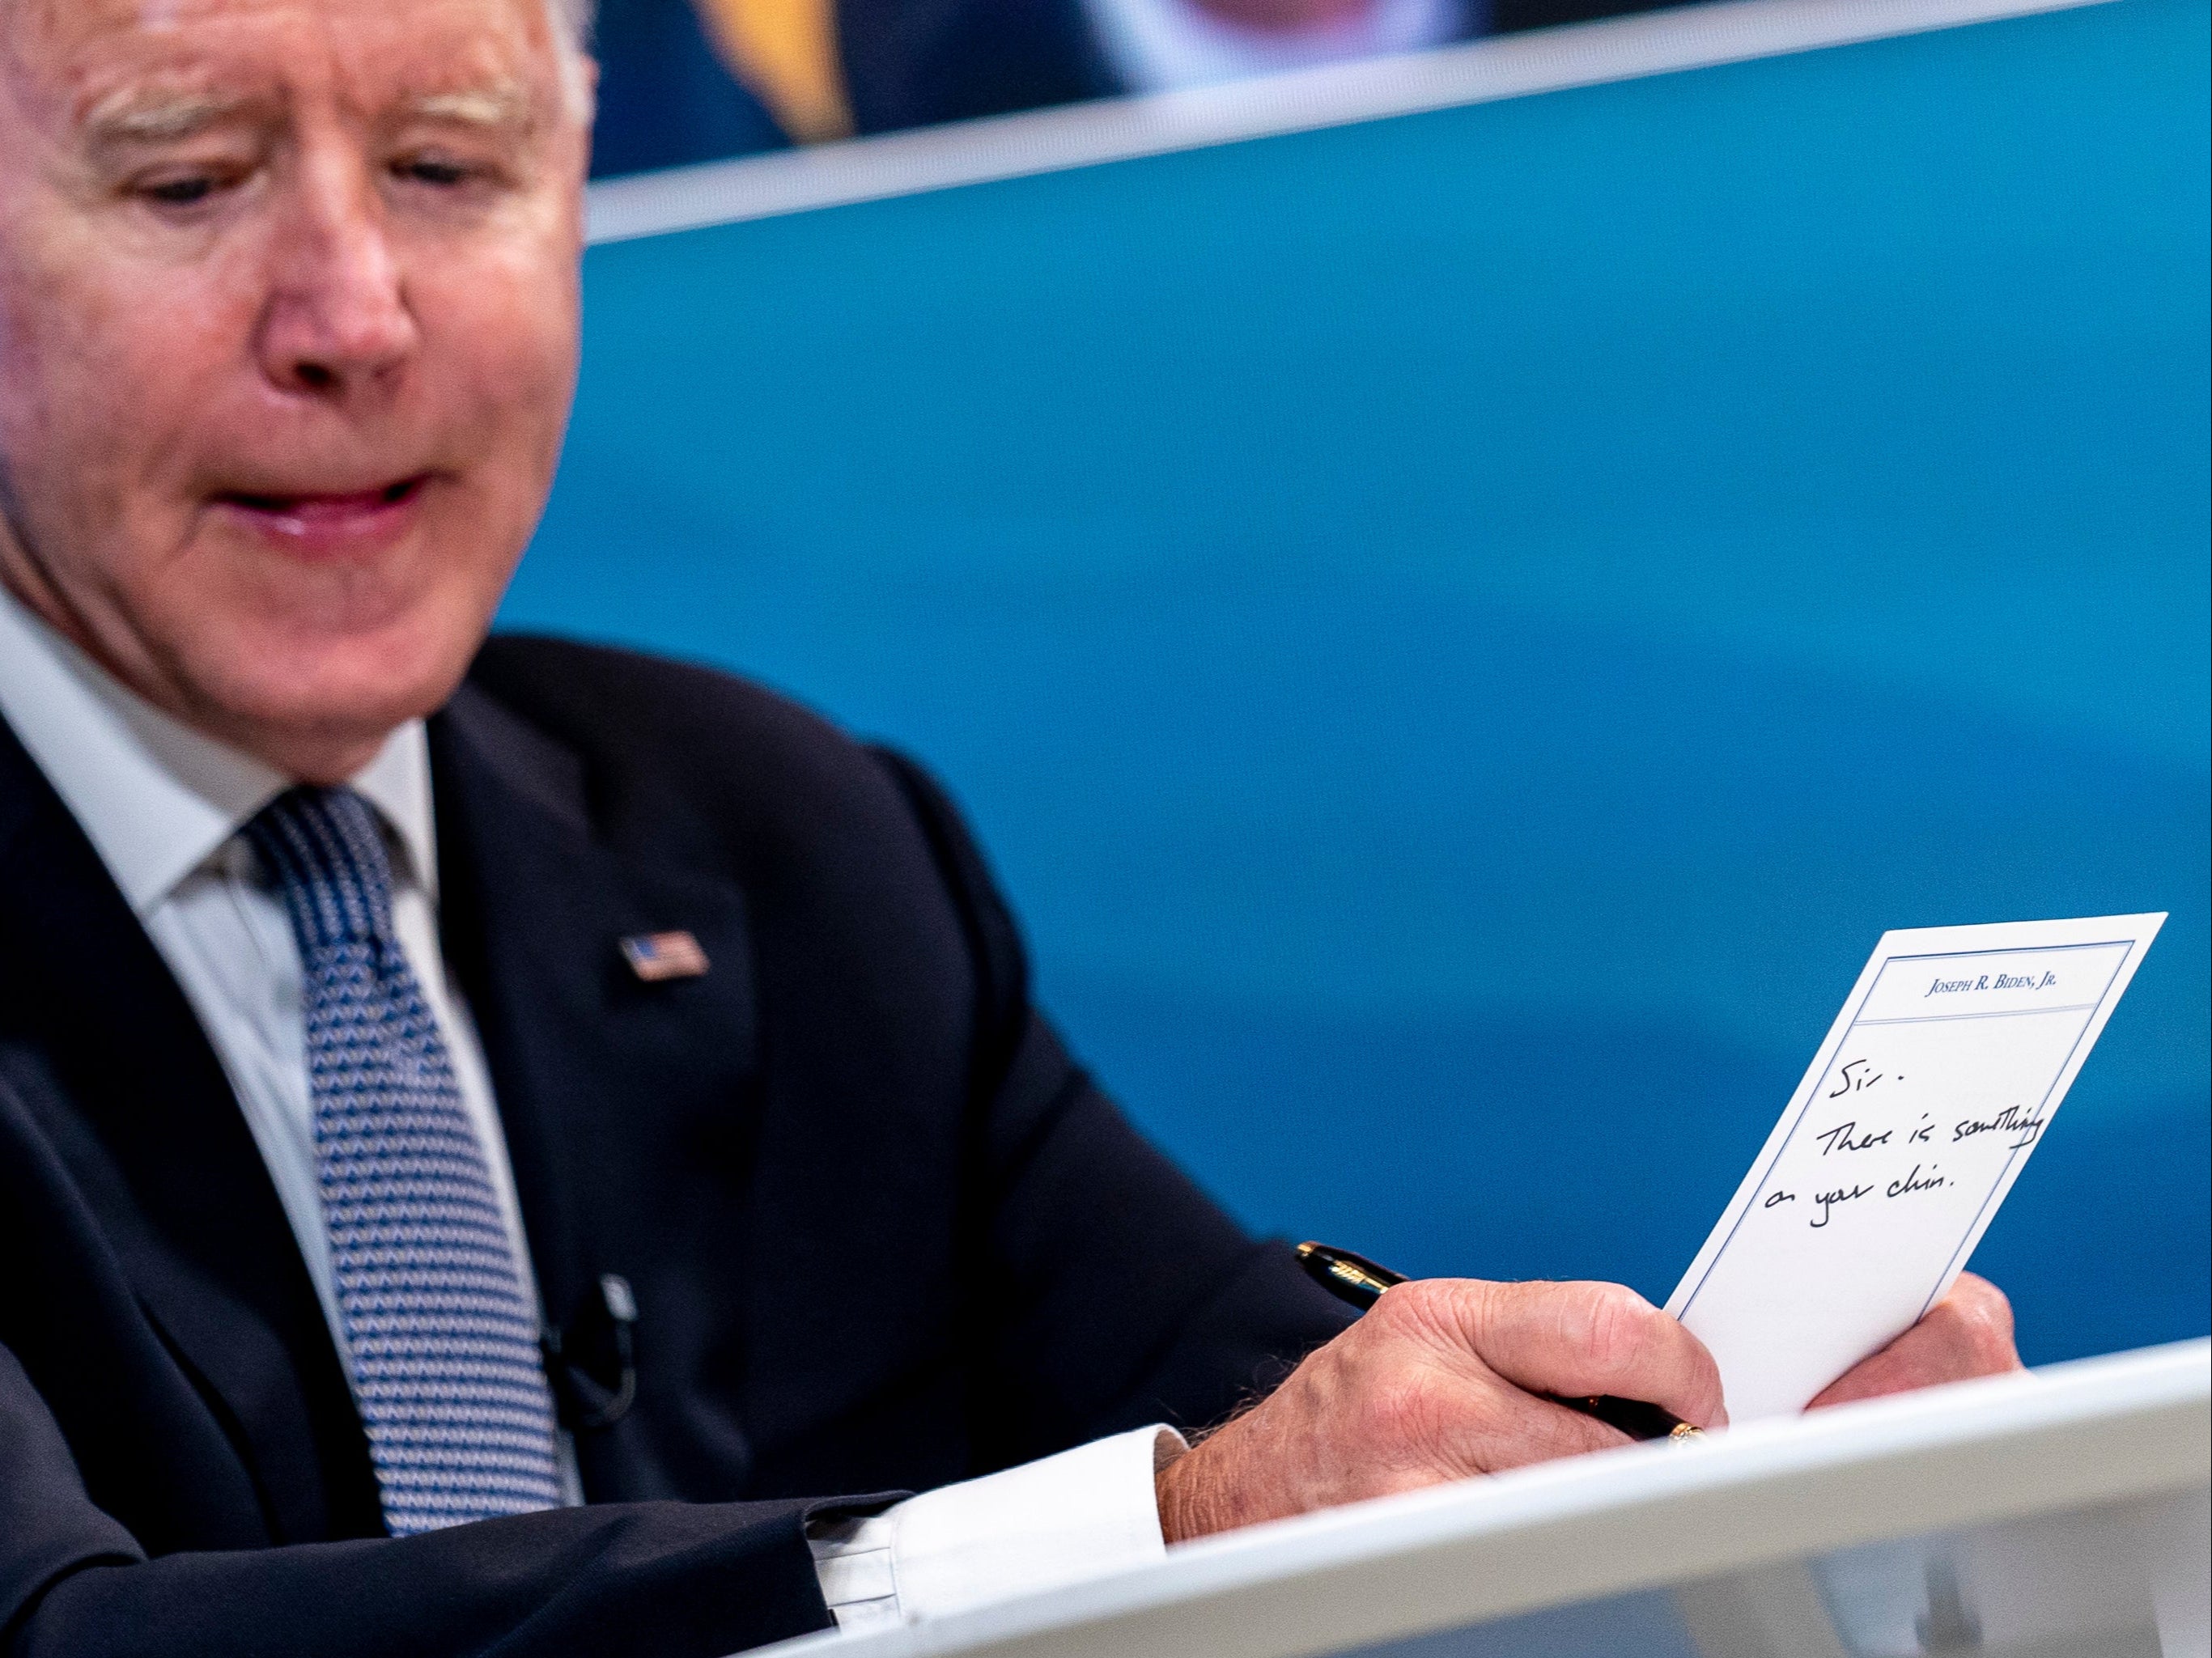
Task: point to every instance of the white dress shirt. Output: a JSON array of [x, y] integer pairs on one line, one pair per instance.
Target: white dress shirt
[[163, 805], [1159, 46]]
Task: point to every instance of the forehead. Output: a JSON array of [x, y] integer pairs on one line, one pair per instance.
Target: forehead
[[74, 55]]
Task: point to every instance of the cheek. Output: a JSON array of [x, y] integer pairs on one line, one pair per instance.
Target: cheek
[[107, 383], [500, 340], [505, 333]]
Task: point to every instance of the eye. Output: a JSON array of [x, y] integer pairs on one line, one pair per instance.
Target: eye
[[436, 171], [184, 190]]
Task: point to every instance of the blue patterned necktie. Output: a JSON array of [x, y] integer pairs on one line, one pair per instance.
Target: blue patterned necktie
[[446, 1362]]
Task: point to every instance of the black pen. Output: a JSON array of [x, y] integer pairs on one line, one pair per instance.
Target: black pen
[[1359, 1281]]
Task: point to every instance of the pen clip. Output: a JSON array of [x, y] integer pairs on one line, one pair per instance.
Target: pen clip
[[1349, 1278]]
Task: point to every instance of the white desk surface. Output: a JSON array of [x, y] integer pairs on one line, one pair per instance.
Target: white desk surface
[[2070, 1436]]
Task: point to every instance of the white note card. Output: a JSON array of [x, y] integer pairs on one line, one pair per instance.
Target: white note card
[[1916, 1116]]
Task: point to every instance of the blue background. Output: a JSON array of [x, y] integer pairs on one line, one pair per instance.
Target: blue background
[[1459, 632]]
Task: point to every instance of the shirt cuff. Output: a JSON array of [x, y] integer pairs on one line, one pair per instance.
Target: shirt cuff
[[1043, 1526]]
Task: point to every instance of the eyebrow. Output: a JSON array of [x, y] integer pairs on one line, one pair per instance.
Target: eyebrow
[[131, 118], [498, 106]]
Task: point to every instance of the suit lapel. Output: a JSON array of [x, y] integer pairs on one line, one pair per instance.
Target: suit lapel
[[586, 1060], [161, 1152], [592, 1065]]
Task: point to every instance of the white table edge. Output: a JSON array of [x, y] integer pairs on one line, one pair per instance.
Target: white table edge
[[2069, 1435]]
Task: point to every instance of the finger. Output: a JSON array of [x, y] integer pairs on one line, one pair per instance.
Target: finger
[[1576, 1339], [1968, 1333], [1986, 1312]]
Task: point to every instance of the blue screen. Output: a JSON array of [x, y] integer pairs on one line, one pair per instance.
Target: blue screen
[[1459, 632]]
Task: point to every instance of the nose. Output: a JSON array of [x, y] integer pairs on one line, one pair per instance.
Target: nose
[[337, 320]]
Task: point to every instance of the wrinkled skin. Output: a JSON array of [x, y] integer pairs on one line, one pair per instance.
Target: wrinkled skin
[[1439, 1382], [288, 335]]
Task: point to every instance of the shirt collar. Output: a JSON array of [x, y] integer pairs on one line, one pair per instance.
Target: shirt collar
[[158, 798]]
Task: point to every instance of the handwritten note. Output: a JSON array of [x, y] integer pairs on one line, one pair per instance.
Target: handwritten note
[[1935, 1084]]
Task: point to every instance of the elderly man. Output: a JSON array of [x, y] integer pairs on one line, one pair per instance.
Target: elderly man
[[516, 1147]]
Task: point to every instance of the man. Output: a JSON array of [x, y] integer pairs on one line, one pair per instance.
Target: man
[[368, 997], [685, 81], [912, 63]]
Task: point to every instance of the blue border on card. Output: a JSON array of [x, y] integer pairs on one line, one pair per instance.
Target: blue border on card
[[1951, 1264]]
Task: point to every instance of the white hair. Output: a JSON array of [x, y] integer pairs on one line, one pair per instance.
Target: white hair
[[573, 18], [572, 24]]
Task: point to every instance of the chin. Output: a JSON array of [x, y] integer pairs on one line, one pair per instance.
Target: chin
[[319, 706]]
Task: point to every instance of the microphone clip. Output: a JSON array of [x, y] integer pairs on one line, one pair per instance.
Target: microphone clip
[[592, 1363]]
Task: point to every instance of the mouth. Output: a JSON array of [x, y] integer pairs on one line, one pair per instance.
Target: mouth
[[327, 519]]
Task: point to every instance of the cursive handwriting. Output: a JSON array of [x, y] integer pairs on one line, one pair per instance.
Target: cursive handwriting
[[1850, 1078], [1827, 1200], [2013, 1119], [1842, 1138], [1915, 1182]]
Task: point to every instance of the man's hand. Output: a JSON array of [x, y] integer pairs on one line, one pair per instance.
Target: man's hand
[[1440, 1381], [1968, 1333]]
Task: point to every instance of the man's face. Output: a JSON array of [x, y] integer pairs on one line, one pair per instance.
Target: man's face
[[288, 335]]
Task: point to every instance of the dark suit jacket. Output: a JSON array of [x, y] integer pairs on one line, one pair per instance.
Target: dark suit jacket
[[883, 1233]]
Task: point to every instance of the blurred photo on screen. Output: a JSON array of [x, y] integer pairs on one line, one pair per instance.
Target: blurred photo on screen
[[684, 82]]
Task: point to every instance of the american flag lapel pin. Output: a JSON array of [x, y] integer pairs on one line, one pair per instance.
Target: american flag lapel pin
[[657, 956]]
